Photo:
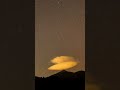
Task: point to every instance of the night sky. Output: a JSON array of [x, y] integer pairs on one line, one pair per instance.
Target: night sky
[[59, 31]]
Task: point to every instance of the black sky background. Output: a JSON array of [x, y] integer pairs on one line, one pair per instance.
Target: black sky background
[[102, 42]]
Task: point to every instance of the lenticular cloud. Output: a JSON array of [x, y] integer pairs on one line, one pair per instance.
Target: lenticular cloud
[[63, 63]]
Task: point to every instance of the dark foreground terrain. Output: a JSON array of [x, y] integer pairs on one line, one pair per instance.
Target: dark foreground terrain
[[62, 81]]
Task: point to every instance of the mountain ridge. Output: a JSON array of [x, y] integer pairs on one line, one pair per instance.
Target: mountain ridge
[[63, 80], [66, 74], [63, 72]]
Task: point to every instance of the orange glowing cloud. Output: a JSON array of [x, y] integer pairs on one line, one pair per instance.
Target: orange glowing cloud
[[62, 59], [62, 63]]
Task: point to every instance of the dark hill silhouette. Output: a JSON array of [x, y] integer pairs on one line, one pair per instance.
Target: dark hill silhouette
[[62, 80], [63, 75]]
